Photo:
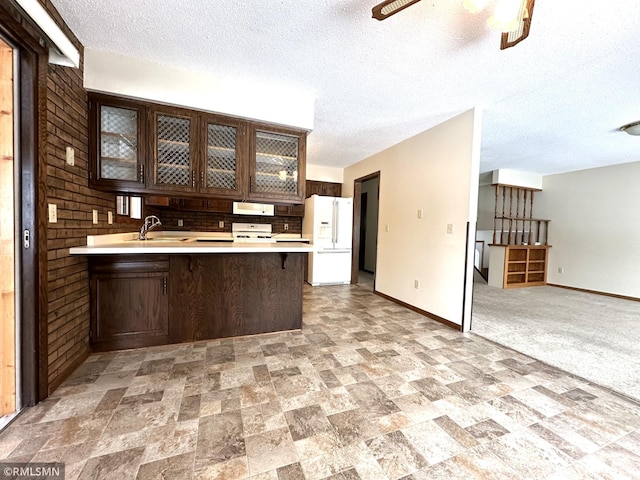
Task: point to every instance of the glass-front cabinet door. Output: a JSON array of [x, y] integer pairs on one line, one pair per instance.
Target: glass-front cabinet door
[[277, 167], [117, 152], [173, 150], [222, 171]]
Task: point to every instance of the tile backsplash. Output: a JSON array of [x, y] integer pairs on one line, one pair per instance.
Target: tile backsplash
[[208, 221]]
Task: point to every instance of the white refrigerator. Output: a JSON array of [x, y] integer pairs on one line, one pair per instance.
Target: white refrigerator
[[328, 222]]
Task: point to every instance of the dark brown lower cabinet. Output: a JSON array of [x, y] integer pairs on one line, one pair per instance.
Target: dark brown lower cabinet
[[227, 295], [129, 301], [144, 300]]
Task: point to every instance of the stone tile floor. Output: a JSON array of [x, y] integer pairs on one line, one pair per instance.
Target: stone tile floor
[[367, 390]]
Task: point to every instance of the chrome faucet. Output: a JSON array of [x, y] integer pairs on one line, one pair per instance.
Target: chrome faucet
[[150, 223]]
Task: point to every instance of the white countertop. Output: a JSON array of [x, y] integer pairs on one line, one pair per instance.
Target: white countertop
[[186, 243]]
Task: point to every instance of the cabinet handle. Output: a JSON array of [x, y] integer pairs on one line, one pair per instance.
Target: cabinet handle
[[193, 179], [164, 286], [202, 180], [142, 173]]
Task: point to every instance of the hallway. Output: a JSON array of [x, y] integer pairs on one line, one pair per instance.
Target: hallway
[[367, 390]]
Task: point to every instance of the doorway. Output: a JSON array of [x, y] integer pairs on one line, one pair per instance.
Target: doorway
[[9, 268], [23, 373], [365, 230]]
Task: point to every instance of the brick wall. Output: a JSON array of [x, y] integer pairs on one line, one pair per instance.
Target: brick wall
[[67, 187]]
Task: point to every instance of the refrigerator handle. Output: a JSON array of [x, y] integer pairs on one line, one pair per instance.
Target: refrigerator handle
[[334, 237]]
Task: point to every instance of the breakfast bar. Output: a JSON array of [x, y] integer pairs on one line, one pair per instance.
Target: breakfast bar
[[187, 286]]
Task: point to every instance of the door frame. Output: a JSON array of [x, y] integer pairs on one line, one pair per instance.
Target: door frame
[[355, 247], [32, 294]]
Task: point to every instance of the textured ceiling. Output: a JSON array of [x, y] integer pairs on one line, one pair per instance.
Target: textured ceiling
[[551, 104]]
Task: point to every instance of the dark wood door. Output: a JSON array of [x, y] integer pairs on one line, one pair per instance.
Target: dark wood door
[[327, 189], [224, 157], [129, 301], [332, 189], [174, 137], [129, 310], [277, 164]]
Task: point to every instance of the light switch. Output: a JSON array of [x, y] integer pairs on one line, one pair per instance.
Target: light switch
[[180, 222], [449, 228], [70, 156], [420, 213], [220, 224], [53, 213], [95, 217]]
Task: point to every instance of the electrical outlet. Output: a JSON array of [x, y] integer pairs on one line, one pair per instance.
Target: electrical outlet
[[220, 224], [180, 222], [53, 213], [110, 217], [449, 228], [420, 213], [95, 217], [70, 156], [560, 270], [416, 284], [286, 226]]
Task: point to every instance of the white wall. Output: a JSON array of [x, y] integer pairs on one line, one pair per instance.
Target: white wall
[[594, 229], [436, 171], [325, 174], [124, 76]]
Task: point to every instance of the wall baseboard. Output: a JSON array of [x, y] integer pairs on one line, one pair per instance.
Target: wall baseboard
[[595, 292], [424, 313]]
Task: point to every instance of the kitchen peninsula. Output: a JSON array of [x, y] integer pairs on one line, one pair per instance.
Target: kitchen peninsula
[[188, 286]]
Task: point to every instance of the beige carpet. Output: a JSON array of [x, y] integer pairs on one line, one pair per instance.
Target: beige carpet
[[593, 336]]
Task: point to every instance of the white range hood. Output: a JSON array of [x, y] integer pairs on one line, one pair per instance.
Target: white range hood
[[243, 208]]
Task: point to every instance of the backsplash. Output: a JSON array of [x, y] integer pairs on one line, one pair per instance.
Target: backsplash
[[208, 221]]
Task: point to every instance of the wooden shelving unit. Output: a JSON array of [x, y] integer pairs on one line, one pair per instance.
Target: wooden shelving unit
[[520, 249], [525, 265]]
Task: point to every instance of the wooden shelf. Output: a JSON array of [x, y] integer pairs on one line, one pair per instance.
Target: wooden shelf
[[174, 166], [132, 161], [172, 142], [132, 136]]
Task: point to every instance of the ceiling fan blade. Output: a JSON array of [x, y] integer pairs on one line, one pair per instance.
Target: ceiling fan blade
[[390, 7], [509, 39]]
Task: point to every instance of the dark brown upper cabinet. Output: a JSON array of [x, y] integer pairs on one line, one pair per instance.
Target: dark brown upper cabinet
[[117, 146], [174, 140], [276, 164], [328, 189], [223, 171], [148, 148]]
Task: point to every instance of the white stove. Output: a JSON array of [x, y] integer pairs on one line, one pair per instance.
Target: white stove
[[252, 233]]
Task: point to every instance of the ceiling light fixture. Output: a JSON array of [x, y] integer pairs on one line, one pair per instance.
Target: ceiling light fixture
[[631, 128], [507, 15], [390, 7]]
